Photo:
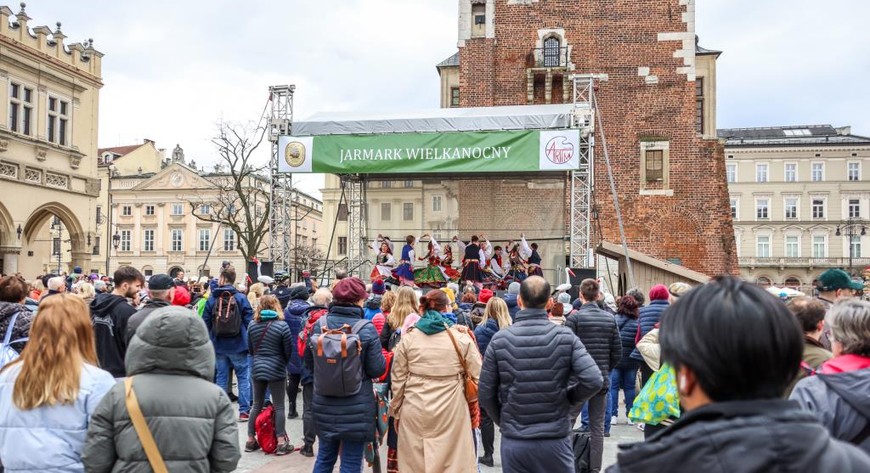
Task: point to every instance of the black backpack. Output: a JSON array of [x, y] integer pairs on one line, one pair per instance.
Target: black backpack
[[581, 443], [227, 316]]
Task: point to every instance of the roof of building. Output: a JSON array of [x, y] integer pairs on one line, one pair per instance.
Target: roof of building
[[795, 135], [615, 251], [452, 61], [120, 150]]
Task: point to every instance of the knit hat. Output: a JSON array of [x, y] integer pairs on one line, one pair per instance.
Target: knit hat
[[450, 294], [349, 291], [485, 296], [514, 288], [378, 287], [659, 292]]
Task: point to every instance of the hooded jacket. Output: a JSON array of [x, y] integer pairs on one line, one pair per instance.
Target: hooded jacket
[[373, 306], [758, 436], [483, 333], [172, 364], [533, 372], [295, 315], [512, 304], [49, 438], [649, 317], [110, 314], [841, 411], [226, 345], [143, 313], [21, 329], [349, 418]]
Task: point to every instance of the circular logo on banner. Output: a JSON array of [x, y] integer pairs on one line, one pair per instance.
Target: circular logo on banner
[[294, 154], [559, 150]]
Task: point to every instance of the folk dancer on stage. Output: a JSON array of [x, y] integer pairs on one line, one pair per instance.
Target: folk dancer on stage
[[516, 264], [498, 264], [384, 261], [405, 271], [431, 275], [490, 277], [473, 261], [530, 253], [447, 269]]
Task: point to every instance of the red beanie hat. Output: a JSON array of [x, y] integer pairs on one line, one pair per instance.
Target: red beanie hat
[[349, 291], [181, 297], [485, 296], [659, 292]]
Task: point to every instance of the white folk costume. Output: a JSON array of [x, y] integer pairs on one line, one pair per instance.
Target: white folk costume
[[384, 262]]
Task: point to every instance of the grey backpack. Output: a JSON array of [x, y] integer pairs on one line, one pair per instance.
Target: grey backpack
[[338, 370]]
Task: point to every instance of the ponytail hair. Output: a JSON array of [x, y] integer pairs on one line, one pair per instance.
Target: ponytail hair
[[434, 300]]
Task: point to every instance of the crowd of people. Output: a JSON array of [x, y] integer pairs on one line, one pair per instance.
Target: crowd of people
[[763, 385]]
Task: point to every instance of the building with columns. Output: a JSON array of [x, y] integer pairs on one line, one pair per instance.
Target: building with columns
[[48, 146], [800, 200]]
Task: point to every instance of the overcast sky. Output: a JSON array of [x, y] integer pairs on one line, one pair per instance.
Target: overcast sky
[[174, 69]]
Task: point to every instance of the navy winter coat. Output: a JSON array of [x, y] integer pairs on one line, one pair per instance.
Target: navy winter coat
[[238, 344], [627, 332], [484, 333], [349, 418], [599, 334], [649, 317], [275, 348], [294, 315], [533, 372], [513, 306]]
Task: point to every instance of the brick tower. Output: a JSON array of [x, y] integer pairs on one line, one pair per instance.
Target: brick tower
[[657, 104]]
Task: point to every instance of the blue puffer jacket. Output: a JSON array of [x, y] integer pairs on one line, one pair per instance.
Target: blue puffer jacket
[[294, 315], [274, 350], [627, 332], [513, 306], [484, 333], [349, 418], [238, 344], [649, 317], [49, 438]]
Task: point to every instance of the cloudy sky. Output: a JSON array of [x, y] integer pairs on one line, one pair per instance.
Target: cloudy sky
[[174, 69]]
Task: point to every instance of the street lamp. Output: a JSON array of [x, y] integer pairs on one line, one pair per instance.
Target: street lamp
[[851, 230], [116, 240]]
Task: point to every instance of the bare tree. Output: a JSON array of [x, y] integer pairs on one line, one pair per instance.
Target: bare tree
[[306, 257], [241, 200]]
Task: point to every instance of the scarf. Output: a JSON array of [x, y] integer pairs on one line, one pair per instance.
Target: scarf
[[268, 315], [432, 322]]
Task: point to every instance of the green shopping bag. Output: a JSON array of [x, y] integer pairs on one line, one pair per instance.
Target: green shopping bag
[[659, 398]]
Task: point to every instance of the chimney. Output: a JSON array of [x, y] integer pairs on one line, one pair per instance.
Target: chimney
[[146, 141], [844, 130]]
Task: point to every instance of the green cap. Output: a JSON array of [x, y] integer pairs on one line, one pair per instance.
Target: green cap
[[834, 279]]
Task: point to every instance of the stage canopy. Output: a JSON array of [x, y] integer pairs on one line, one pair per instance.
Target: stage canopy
[[531, 138]]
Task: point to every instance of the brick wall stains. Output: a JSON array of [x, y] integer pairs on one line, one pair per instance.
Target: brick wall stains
[[615, 37]]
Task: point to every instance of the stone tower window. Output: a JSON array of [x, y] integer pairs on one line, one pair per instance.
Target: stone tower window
[[552, 52], [478, 20]]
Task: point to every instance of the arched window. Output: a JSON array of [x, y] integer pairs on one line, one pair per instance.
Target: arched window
[[793, 283], [552, 52], [764, 281]]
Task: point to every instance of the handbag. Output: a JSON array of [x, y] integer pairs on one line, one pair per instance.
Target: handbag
[[142, 430], [470, 385], [659, 399]]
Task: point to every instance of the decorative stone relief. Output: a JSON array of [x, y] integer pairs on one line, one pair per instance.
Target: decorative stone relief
[[56, 180], [8, 170], [41, 153], [75, 160], [33, 175], [4, 145]]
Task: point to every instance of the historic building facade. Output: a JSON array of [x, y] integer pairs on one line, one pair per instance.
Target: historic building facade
[[48, 145], [800, 200]]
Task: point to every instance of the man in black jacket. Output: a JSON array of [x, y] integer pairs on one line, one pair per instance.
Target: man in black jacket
[[599, 333], [161, 290], [535, 424], [110, 314]]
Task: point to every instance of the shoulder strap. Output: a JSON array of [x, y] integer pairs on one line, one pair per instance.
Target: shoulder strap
[[10, 328], [260, 341], [142, 430], [359, 325], [456, 347]]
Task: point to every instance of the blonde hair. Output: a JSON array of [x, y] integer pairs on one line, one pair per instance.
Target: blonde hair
[[268, 302], [61, 340], [677, 290], [406, 304], [388, 301], [85, 290], [497, 309], [255, 292]]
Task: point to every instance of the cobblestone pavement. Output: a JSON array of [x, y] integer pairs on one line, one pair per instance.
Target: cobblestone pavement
[[260, 463]]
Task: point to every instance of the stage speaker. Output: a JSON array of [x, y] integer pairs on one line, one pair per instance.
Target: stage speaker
[[267, 268], [579, 274]]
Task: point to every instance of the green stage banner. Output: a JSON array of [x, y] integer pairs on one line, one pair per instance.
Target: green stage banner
[[459, 152]]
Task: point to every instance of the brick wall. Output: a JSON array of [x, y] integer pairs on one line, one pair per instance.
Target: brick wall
[[615, 37]]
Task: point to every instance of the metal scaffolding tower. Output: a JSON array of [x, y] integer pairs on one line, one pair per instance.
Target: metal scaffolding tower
[[281, 224], [583, 179], [354, 187]]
